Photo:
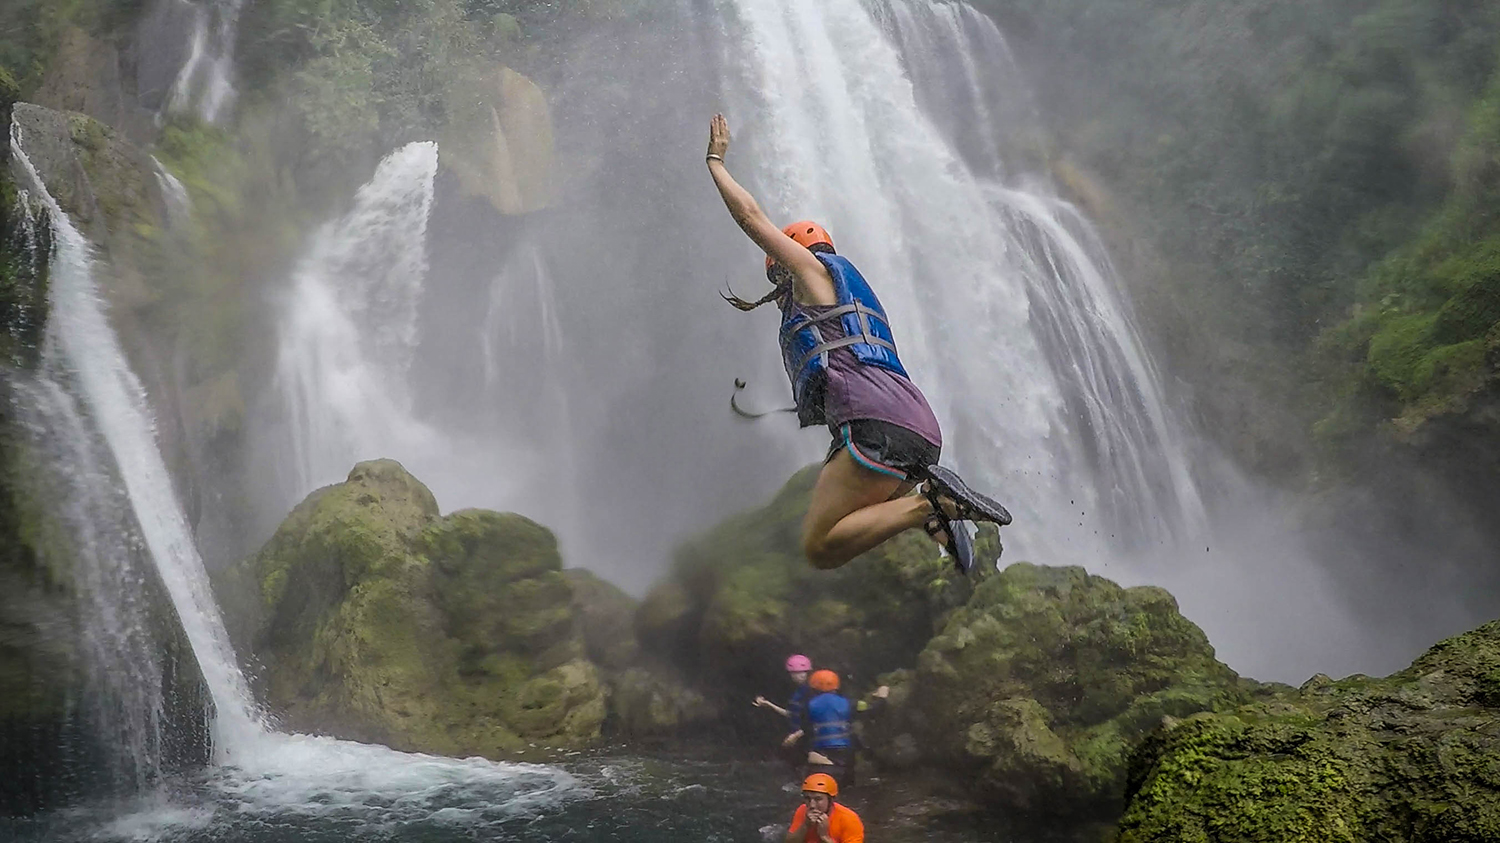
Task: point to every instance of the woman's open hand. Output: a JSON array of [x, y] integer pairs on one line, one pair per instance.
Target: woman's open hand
[[718, 136]]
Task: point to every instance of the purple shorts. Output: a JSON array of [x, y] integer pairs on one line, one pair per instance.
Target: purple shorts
[[884, 448]]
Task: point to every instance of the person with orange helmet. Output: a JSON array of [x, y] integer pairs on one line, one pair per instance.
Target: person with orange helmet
[[821, 819], [830, 724], [840, 355]]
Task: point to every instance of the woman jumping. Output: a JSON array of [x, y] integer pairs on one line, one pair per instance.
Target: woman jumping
[[837, 346]]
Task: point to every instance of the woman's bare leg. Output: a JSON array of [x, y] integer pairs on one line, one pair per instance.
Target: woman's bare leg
[[854, 509]]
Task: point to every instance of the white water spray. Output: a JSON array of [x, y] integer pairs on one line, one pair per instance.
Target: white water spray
[[174, 193], [351, 326]]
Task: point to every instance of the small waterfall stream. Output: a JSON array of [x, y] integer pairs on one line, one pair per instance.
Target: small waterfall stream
[[82, 343], [205, 82], [351, 327]]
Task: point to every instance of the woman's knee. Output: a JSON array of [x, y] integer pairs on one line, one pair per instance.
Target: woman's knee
[[820, 552]]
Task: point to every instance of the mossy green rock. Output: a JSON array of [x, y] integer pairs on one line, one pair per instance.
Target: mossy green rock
[[608, 616], [1413, 757], [648, 699], [377, 619], [741, 597], [1039, 688]]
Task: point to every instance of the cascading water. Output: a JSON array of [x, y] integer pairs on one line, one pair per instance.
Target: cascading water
[[351, 327], [174, 193], [205, 83], [82, 343], [121, 665]]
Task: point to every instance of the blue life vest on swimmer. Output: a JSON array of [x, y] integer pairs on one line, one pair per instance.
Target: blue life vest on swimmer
[[829, 716], [796, 707], [867, 334]]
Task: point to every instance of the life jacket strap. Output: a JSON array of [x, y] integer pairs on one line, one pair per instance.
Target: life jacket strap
[[865, 335]]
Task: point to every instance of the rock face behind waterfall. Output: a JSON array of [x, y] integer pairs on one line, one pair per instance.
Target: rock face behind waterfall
[[1412, 757], [1039, 688], [372, 617]]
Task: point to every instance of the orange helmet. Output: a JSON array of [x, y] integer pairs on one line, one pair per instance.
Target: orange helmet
[[820, 783], [824, 681], [807, 233]]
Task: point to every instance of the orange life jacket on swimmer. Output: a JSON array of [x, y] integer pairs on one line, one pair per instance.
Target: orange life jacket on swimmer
[[867, 334]]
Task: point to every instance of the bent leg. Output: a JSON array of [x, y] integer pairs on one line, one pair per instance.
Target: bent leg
[[854, 509]]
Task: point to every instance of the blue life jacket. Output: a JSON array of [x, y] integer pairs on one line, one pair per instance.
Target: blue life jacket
[[867, 334], [829, 716], [796, 707]]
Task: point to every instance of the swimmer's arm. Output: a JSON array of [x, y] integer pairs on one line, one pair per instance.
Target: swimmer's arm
[[762, 702], [813, 283]]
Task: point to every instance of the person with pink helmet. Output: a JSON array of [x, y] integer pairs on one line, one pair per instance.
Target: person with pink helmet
[[798, 667]]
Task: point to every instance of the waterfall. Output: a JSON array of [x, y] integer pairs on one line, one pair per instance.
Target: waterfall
[[350, 326], [174, 193], [1006, 310], [82, 344], [205, 82]]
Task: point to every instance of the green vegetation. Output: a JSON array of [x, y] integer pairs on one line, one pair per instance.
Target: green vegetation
[[360, 76], [1419, 342], [30, 31], [1291, 167]]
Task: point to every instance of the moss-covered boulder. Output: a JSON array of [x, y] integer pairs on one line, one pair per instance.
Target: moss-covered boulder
[[373, 617], [1039, 688], [740, 597], [648, 698], [498, 140], [1413, 757]]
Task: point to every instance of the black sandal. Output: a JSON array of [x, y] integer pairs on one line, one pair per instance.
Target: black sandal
[[959, 546], [972, 506]]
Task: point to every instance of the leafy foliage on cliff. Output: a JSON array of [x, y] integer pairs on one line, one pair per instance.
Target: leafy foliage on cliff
[[31, 29], [1278, 157], [1425, 335]]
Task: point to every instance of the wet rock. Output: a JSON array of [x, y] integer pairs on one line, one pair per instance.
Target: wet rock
[[648, 699], [86, 75], [499, 140], [377, 619], [608, 615], [1411, 757], [1038, 689]]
